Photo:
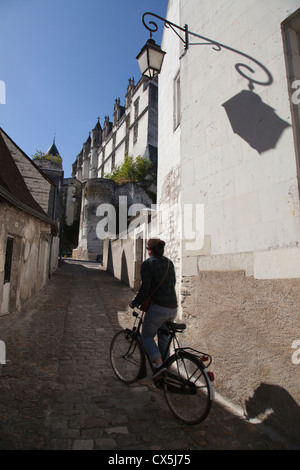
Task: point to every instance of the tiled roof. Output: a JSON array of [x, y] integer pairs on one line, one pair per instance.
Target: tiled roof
[[13, 186]]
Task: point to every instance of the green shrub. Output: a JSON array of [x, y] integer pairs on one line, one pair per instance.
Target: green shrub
[[131, 170], [39, 155]]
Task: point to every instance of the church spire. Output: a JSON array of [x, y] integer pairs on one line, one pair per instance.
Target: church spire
[[97, 135]]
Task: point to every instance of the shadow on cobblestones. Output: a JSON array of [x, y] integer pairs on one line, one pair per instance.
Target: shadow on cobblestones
[[58, 390]]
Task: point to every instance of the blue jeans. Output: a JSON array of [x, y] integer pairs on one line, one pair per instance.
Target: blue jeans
[[153, 320]]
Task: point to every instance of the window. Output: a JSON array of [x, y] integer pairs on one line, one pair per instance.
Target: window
[[8, 259], [135, 133], [176, 101], [113, 157], [126, 144], [136, 108], [127, 123]]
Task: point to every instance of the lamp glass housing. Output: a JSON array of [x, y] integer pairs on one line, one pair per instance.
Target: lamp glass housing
[[150, 59]]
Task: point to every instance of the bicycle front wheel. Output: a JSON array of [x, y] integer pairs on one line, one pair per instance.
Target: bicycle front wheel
[[126, 357], [187, 388]]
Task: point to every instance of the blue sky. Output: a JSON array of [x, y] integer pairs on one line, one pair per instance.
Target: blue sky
[[64, 62]]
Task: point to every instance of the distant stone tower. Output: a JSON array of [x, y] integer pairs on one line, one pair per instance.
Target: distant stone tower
[[96, 142], [51, 165]]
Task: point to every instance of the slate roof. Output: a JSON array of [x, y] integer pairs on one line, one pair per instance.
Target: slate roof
[[13, 187], [52, 150]]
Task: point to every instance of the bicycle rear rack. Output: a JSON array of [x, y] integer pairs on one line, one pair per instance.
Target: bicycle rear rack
[[204, 357]]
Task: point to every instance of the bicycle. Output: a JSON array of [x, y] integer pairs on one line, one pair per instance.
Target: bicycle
[[187, 384]]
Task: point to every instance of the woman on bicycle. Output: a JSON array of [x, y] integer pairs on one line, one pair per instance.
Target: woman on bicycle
[[154, 270]]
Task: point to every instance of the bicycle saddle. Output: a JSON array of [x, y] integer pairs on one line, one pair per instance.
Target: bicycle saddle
[[175, 326]]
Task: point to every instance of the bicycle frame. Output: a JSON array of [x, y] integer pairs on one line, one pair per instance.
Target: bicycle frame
[[136, 330]]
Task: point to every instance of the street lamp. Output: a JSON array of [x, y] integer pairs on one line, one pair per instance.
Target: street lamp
[[151, 57]]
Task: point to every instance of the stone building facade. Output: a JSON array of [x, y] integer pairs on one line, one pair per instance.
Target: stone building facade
[[132, 131], [29, 230], [228, 128]]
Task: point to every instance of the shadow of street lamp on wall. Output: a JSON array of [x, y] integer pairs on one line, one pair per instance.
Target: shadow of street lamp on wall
[[254, 121]]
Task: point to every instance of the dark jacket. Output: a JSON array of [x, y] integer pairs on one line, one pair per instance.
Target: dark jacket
[[153, 270]]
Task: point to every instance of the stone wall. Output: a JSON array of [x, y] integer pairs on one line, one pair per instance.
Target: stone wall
[[119, 260], [235, 148], [104, 205], [95, 192], [249, 327], [169, 219], [123, 256], [31, 247]]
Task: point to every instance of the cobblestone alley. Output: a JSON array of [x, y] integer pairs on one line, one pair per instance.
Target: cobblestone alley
[[58, 390]]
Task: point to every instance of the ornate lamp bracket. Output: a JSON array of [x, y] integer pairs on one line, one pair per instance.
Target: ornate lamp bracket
[[185, 38]]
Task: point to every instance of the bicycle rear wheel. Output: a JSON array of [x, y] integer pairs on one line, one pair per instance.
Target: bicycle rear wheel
[[187, 388], [126, 356]]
